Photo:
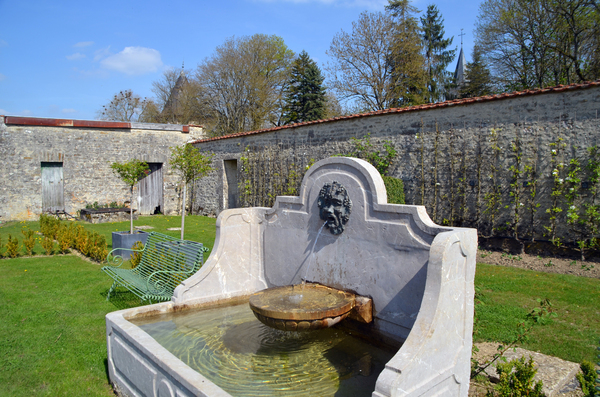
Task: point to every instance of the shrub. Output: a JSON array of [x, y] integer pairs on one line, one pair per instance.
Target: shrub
[[49, 225], [587, 379], [97, 249], [48, 245], [65, 238], [28, 240], [1, 247], [12, 247], [136, 257], [81, 240], [516, 379], [395, 190]]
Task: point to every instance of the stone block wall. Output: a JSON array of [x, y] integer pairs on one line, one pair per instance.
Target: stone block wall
[[86, 150], [474, 162]]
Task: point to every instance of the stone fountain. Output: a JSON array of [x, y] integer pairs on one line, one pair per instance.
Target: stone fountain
[[412, 278]]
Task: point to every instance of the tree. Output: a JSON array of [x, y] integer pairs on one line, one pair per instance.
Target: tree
[[305, 96], [125, 106], [405, 60], [478, 77], [437, 56], [179, 98], [243, 83], [537, 43], [131, 172], [333, 108], [150, 113], [191, 165], [360, 70]]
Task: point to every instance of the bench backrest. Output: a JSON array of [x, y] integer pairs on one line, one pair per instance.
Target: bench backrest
[[173, 259]]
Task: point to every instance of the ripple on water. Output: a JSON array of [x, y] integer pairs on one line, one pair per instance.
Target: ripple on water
[[246, 358]]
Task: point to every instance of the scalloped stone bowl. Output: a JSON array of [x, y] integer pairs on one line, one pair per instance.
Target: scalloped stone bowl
[[301, 307]]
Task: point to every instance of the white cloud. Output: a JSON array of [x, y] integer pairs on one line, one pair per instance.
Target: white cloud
[[134, 61], [69, 111], [83, 44], [22, 113], [76, 56], [93, 73], [101, 53], [370, 4]]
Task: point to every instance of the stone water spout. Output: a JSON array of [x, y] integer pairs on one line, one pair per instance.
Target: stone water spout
[[310, 306]]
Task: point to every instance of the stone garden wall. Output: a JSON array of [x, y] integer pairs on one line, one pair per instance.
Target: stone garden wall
[[499, 163], [86, 149]]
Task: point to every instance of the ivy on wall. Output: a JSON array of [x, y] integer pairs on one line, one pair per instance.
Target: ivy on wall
[[269, 172], [524, 181]]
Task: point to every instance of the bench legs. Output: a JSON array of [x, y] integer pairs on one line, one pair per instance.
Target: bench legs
[[112, 288]]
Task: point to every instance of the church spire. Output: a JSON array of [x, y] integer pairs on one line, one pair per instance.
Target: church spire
[[459, 73]]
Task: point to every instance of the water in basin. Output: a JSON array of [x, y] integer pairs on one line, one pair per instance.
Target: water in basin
[[230, 347]]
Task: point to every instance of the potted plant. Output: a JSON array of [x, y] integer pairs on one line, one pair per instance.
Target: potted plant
[[129, 172]]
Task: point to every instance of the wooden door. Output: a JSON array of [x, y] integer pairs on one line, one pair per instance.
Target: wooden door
[[52, 187], [151, 191]]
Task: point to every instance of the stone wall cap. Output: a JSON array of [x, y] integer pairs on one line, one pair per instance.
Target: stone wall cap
[[427, 106]]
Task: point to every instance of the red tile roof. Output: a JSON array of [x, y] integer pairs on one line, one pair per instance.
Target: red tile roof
[[454, 102], [63, 122]]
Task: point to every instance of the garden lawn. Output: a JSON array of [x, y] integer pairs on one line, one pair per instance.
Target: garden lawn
[[53, 332], [508, 294]]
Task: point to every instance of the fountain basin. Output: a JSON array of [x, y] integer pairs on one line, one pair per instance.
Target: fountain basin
[[418, 277], [301, 307]]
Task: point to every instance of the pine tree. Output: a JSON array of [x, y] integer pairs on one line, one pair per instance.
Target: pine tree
[[305, 96], [478, 77], [405, 59], [437, 56]]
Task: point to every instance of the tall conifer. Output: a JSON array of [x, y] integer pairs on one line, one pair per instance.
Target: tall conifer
[[305, 96], [437, 56], [479, 79], [405, 59]]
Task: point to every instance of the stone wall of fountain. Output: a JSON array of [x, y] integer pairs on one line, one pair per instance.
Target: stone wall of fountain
[[418, 274]]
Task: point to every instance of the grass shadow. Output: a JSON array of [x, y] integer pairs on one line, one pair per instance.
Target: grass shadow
[[123, 299]]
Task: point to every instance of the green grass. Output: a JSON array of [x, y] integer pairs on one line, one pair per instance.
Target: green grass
[[508, 294], [52, 308], [53, 338], [53, 341]]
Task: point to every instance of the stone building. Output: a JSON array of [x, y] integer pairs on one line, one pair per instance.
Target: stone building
[[62, 165]]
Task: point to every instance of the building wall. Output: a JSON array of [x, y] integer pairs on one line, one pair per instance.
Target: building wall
[[446, 152], [86, 149]]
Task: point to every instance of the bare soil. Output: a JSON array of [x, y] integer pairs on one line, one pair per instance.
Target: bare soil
[[541, 264]]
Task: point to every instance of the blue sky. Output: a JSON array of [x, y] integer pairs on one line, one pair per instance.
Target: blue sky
[[65, 59]]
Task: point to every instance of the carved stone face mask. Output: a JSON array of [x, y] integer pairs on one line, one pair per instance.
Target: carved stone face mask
[[334, 206]]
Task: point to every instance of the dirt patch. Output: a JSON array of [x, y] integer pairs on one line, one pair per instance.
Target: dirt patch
[[541, 264]]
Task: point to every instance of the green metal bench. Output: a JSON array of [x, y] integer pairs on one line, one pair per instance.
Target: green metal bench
[[166, 261]]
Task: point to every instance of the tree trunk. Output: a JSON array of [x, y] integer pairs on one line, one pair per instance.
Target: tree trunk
[[131, 211], [183, 209]]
